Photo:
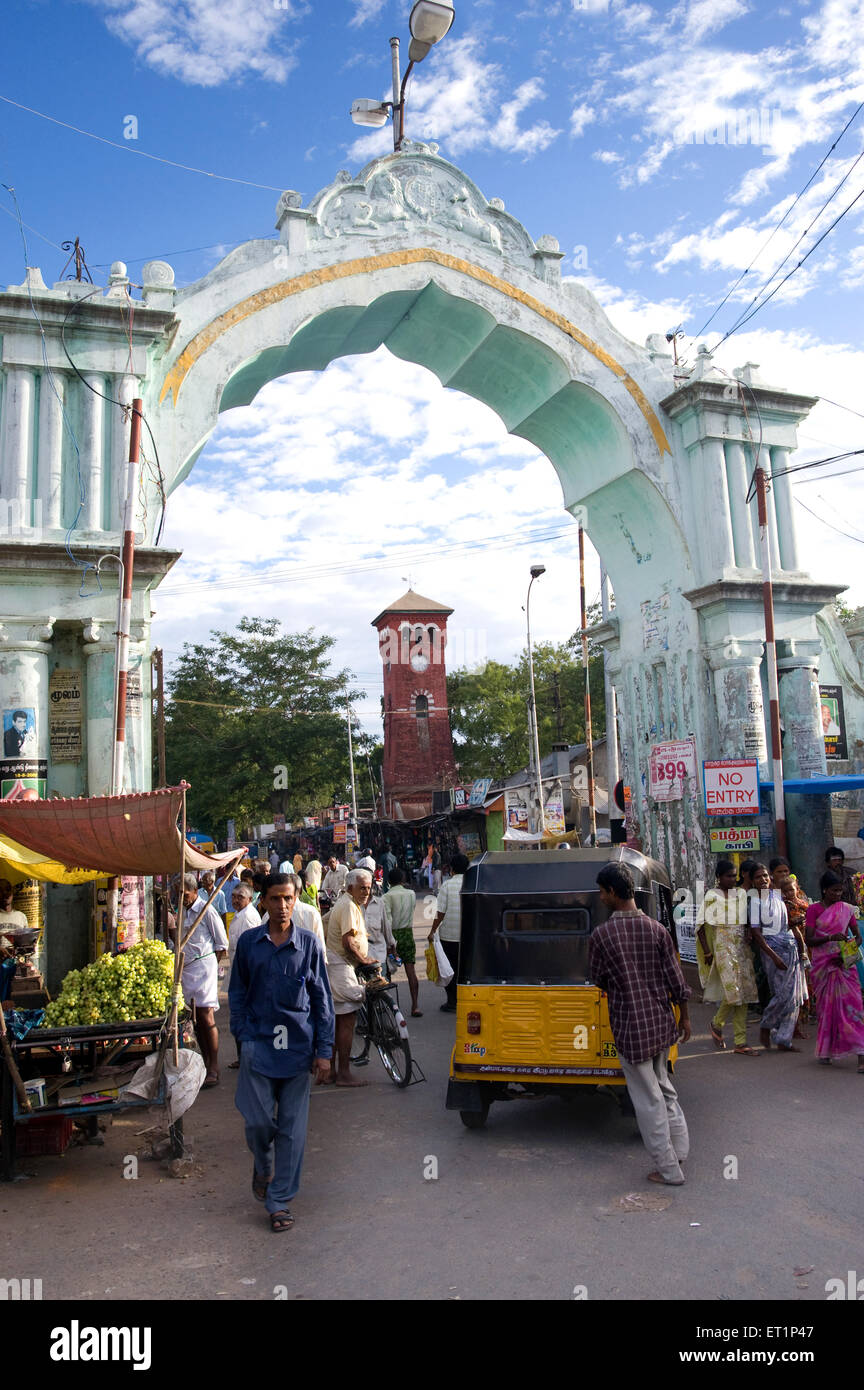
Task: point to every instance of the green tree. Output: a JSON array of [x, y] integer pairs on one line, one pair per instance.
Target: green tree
[[843, 613], [489, 708], [243, 705]]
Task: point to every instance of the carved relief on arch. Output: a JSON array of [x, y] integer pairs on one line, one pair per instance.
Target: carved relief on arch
[[415, 191]]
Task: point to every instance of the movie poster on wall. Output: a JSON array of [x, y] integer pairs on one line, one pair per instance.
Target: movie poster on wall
[[833, 723]]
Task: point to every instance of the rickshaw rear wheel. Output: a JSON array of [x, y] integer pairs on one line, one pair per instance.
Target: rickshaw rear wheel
[[475, 1119]]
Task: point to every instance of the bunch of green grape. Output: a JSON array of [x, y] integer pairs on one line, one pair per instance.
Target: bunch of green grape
[[116, 989]]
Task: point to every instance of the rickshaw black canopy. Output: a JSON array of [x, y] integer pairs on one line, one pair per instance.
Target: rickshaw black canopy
[[527, 916]]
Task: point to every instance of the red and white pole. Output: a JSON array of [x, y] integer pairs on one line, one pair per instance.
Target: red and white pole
[[124, 620], [771, 661]]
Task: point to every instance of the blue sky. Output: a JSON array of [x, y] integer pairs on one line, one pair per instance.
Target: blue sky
[[621, 128]]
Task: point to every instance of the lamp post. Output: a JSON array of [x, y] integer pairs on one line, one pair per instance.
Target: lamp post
[[536, 571], [429, 22]]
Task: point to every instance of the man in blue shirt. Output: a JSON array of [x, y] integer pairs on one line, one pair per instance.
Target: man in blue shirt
[[282, 1013]]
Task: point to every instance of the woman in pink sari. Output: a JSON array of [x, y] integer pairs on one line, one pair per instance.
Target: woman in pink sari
[[830, 928]]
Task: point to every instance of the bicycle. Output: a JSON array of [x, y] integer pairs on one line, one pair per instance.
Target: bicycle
[[381, 1023]]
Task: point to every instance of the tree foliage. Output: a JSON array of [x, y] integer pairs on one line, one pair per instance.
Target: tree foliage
[[489, 708], [245, 703], [843, 613]]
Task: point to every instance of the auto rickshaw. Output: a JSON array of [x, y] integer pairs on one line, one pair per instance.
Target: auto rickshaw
[[528, 1016]]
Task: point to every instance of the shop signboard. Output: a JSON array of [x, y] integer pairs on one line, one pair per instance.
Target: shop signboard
[[735, 838], [731, 787], [340, 832], [479, 791]]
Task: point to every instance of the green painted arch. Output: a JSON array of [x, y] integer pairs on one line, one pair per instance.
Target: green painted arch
[[526, 383]]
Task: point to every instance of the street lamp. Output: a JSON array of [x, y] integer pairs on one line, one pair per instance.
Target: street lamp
[[536, 571], [430, 20]]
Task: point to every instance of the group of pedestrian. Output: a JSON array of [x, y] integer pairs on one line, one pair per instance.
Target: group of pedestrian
[[761, 916]]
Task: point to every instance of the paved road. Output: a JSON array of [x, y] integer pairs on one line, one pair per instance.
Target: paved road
[[526, 1209]]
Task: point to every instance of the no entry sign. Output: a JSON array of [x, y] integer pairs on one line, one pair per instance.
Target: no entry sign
[[731, 787]]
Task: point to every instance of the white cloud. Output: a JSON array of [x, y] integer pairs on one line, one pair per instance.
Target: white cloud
[[370, 465], [463, 102], [608, 157], [581, 117], [365, 10], [206, 42], [706, 17]]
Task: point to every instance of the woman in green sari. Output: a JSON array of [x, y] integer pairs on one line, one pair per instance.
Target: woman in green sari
[[725, 960]]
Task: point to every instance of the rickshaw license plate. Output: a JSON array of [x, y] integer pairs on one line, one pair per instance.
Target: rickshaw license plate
[[610, 1050]]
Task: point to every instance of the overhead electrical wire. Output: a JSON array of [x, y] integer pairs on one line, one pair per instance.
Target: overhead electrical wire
[[790, 209], [188, 168], [753, 307], [817, 463], [159, 479], [829, 524], [378, 563]]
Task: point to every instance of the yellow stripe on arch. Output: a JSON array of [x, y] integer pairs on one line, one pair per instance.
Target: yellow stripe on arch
[[345, 270]]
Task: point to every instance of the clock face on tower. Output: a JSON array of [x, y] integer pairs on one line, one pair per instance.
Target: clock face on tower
[[419, 659]]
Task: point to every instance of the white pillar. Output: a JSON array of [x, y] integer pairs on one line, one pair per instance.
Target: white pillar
[[24, 651], [99, 650], [738, 698], [712, 499], [124, 389], [784, 510], [50, 489], [92, 417], [18, 397], [738, 479]]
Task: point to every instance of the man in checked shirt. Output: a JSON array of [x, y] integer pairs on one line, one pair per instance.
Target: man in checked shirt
[[633, 959]]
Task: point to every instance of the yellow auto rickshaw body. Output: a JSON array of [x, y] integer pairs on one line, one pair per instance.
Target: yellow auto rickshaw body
[[528, 1014]]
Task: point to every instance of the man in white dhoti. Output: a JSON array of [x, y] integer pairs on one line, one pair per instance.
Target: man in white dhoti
[[207, 945]]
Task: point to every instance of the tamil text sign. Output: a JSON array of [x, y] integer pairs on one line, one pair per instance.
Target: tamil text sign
[[735, 838]]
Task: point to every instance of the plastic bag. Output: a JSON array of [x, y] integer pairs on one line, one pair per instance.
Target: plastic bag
[[445, 969], [431, 965], [183, 1081]]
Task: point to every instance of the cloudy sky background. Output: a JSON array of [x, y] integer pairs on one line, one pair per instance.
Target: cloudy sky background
[[620, 128]]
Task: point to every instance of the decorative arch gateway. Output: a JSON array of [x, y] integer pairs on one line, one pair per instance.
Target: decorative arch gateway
[[411, 255]]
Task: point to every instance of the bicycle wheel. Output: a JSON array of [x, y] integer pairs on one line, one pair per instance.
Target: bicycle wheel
[[392, 1048]]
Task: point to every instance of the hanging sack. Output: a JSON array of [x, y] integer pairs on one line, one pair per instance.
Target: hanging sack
[[445, 969]]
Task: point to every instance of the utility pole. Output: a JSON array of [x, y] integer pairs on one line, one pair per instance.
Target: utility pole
[[556, 699], [121, 658], [771, 661], [589, 738], [612, 772], [159, 673], [351, 763]]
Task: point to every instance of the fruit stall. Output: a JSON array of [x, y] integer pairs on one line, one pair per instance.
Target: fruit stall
[[112, 1039]]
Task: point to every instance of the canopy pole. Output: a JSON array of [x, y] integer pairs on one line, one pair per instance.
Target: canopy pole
[[178, 954]]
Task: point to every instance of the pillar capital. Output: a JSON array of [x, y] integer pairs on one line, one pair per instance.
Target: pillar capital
[[733, 652], [26, 634], [794, 654], [98, 637]]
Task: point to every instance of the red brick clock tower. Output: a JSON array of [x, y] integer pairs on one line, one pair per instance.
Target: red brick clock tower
[[418, 745]]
